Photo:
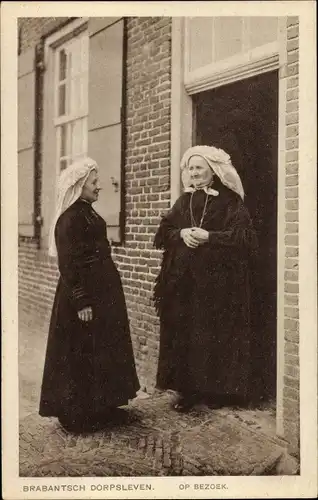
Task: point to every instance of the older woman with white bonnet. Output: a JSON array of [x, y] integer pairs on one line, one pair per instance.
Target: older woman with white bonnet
[[202, 290], [89, 367]]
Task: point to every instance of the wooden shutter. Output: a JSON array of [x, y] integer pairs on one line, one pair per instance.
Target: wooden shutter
[[105, 98], [26, 138]]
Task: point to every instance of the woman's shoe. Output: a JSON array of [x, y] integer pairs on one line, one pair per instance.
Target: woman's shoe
[[82, 426], [114, 416], [71, 426], [95, 422], [183, 405]]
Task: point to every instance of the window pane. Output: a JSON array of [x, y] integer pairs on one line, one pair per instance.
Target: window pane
[[85, 136], [79, 95], [61, 100], [201, 44], [63, 64], [74, 97], [84, 93], [63, 140], [70, 57], [76, 57], [228, 37], [263, 30], [77, 138]]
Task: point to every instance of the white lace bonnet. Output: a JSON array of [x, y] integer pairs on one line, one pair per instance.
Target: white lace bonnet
[[69, 189], [219, 161]]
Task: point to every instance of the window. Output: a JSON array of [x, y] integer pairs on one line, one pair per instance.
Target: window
[[221, 50], [82, 112], [214, 39], [71, 100]]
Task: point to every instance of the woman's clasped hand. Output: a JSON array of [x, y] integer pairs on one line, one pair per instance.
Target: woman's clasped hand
[[194, 236], [85, 314]]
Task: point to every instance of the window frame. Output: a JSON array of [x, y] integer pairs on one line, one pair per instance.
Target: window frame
[[248, 62], [49, 166], [70, 116]]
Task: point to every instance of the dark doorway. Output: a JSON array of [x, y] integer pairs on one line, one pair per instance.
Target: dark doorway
[[242, 119]]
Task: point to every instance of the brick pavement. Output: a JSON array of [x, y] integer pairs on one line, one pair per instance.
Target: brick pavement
[[154, 441]]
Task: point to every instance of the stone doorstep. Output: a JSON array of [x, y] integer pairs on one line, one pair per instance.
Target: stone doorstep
[[282, 463], [279, 463], [289, 462], [287, 465], [253, 425]]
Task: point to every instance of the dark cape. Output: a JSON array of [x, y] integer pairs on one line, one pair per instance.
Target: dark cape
[[89, 366], [202, 297]]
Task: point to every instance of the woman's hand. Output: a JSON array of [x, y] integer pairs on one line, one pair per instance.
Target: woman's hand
[[85, 314], [201, 235], [189, 237]]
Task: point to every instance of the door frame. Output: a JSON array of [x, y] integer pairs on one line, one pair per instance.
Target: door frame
[[182, 88]]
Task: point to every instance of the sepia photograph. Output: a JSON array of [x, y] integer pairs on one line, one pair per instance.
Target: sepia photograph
[[158, 252]]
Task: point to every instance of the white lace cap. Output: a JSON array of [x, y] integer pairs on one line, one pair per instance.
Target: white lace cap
[[219, 161], [69, 189]]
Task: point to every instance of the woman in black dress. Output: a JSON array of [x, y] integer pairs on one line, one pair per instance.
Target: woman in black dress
[[89, 367], [202, 293]]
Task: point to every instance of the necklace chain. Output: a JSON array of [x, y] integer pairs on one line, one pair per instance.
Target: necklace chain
[[193, 221]]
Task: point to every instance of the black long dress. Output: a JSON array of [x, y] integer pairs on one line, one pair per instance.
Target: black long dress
[[89, 366], [202, 298]]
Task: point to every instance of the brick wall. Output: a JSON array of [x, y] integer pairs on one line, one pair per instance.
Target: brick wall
[[147, 180], [291, 298], [147, 184], [38, 276]]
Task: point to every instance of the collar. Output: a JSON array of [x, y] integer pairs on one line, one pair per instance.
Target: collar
[[85, 202], [206, 189]]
